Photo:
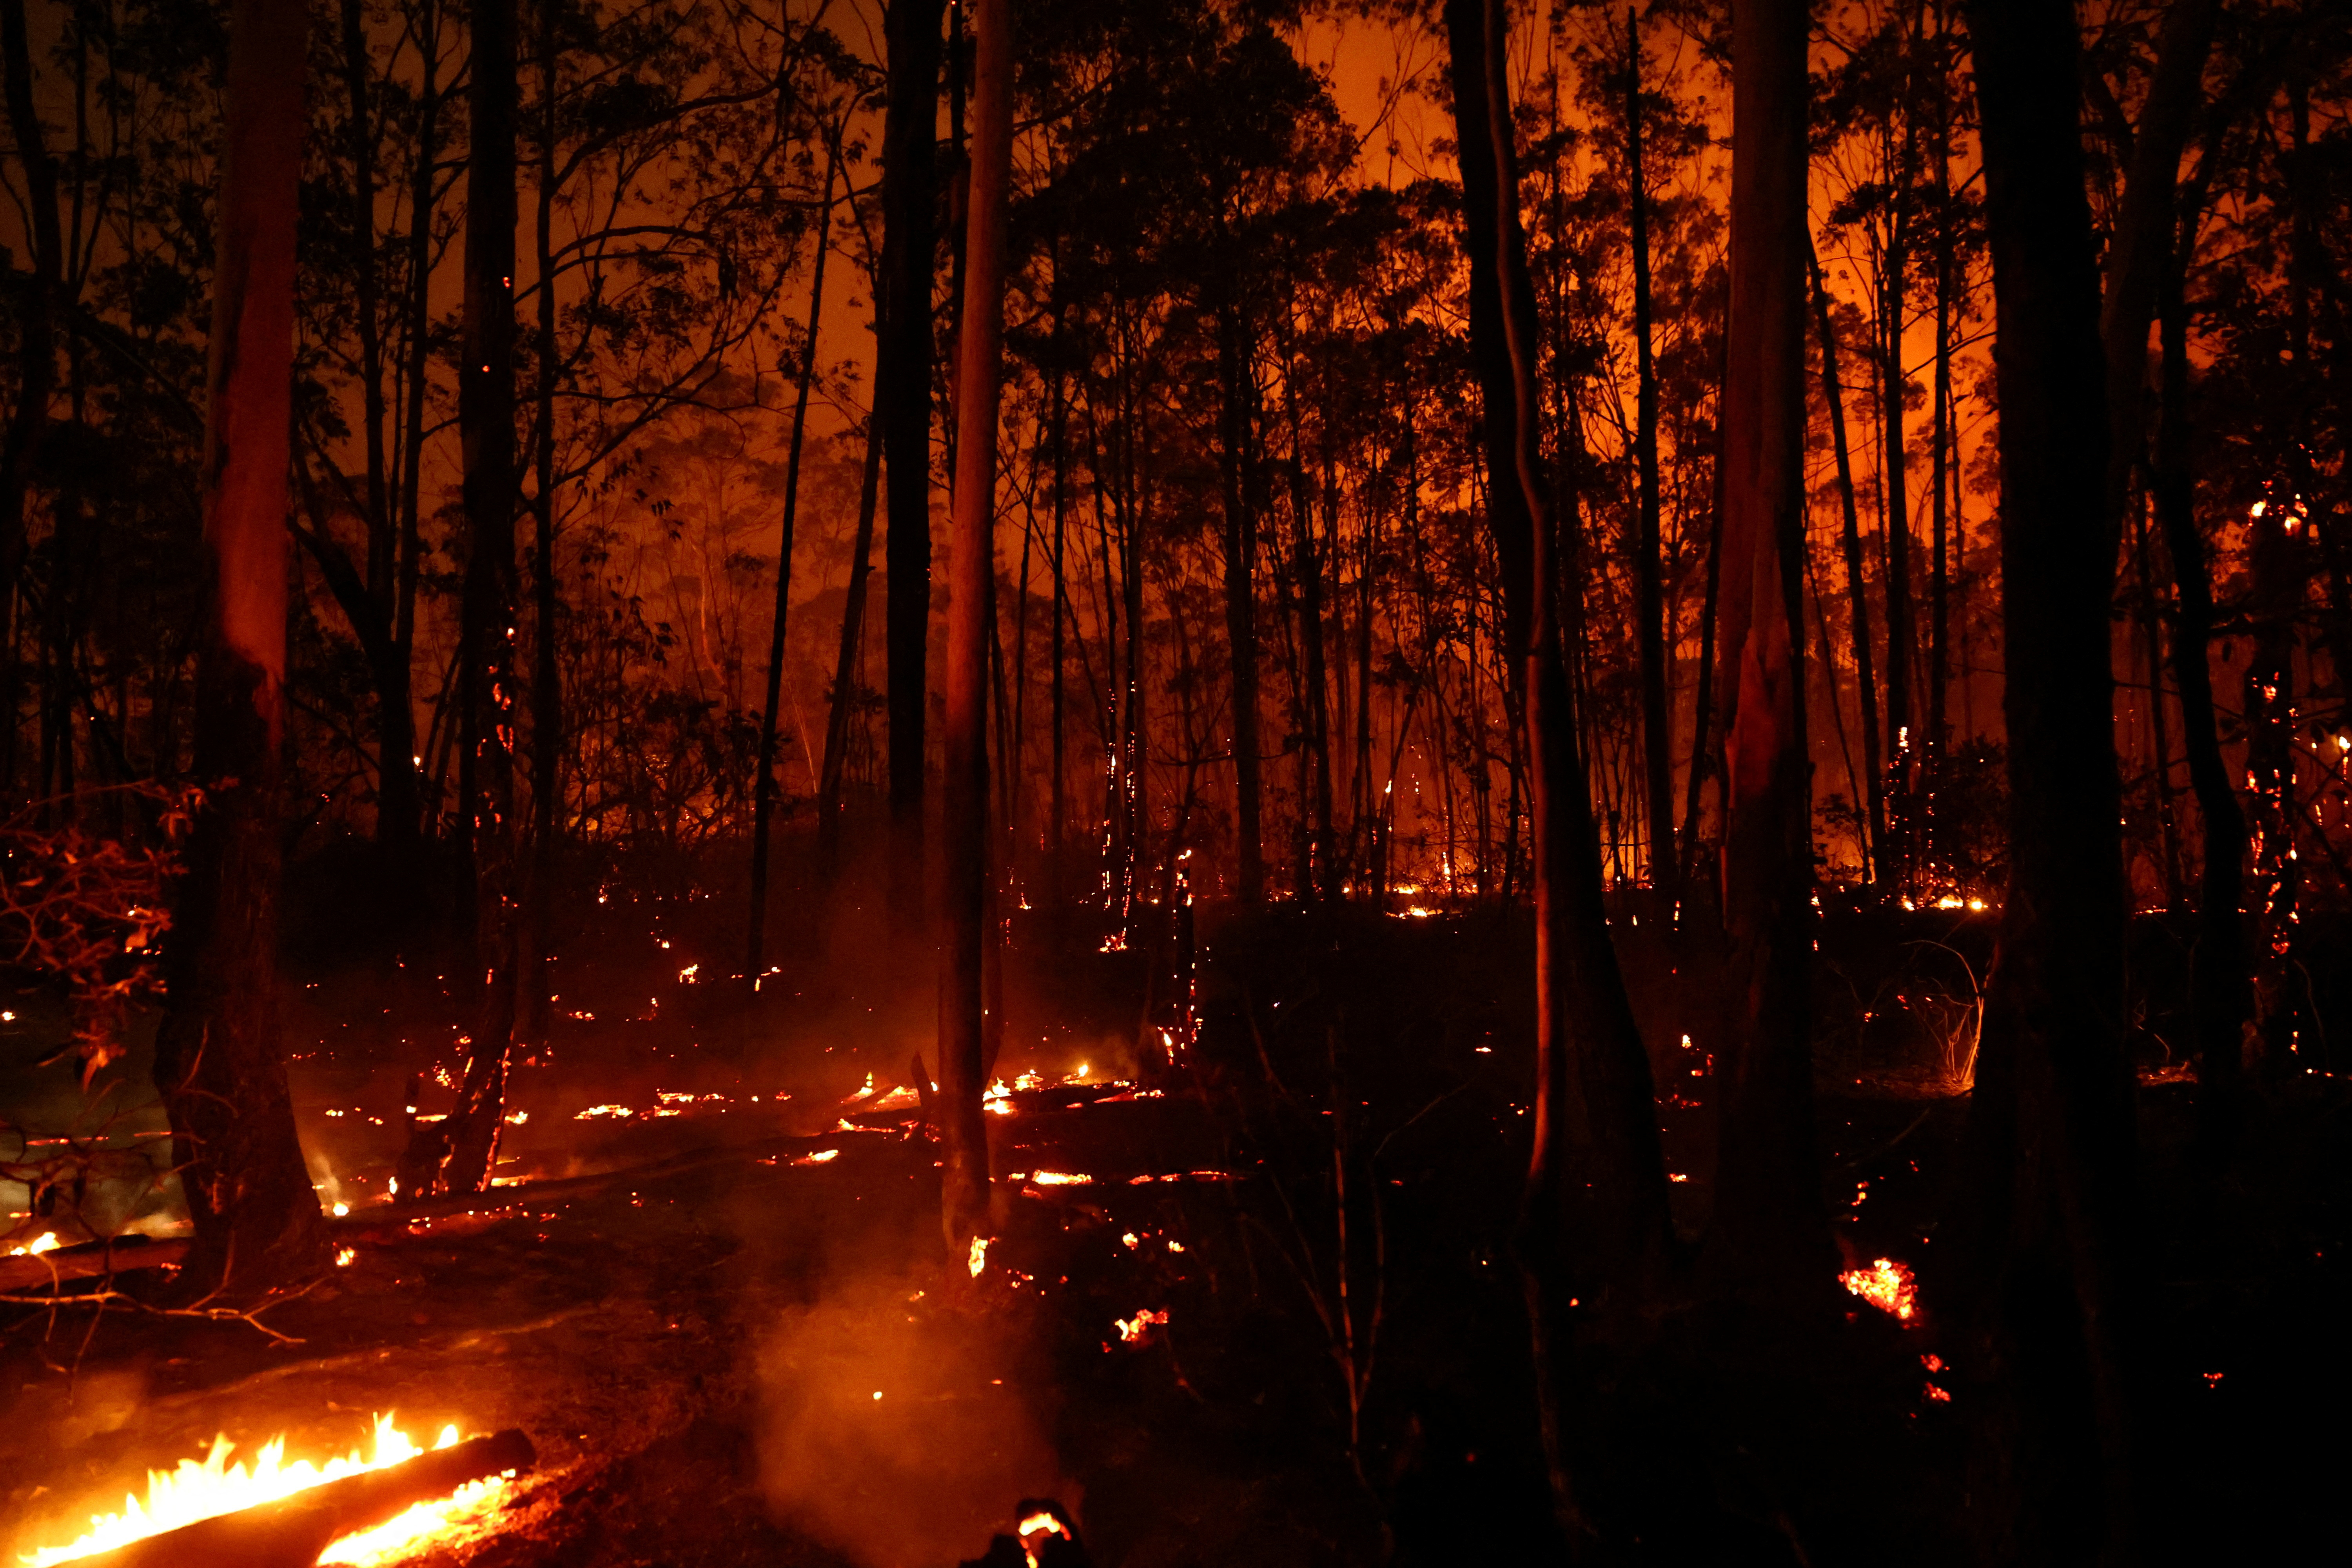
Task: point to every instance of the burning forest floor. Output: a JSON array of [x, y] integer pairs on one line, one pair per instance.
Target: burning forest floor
[[1265, 1313]]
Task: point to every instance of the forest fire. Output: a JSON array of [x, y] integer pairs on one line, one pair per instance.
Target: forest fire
[[643, 647], [454, 1505]]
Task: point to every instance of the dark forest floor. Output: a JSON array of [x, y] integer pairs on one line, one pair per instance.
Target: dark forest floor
[[696, 1349]]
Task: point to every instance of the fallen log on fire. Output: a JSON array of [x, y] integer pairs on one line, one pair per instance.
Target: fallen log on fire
[[37, 1271], [293, 1531]]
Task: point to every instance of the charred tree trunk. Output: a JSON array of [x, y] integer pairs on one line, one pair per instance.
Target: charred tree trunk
[[1057, 805], [217, 1060], [764, 782], [2137, 252], [546, 683], [486, 396], [1649, 595], [2220, 979], [1594, 1224], [1898, 852], [1770, 1232], [396, 780], [36, 361], [1241, 606], [902, 373], [963, 1025], [409, 552], [2049, 1304], [1857, 591], [845, 667]]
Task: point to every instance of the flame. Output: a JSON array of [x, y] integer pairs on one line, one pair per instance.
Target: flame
[[1060, 1179], [1133, 1330], [45, 1241], [1885, 1285], [979, 1259], [819, 1158], [207, 1488], [448, 1519]]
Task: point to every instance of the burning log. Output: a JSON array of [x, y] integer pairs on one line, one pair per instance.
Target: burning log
[[293, 1531]]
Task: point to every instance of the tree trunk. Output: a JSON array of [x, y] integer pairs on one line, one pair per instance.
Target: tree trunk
[[546, 682], [1241, 606], [486, 427], [2051, 1303], [218, 1059], [409, 552], [1649, 603], [1857, 591], [845, 667], [2220, 979], [1594, 1227], [764, 782], [2136, 252], [1770, 1232], [36, 365], [1898, 850], [965, 1187], [902, 373]]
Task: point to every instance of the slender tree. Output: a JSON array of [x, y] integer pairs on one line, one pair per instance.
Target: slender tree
[[963, 1025], [764, 782], [1649, 600], [485, 409], [1856, 590], [902, 374], [1769, 1231], [37, 359], [2050, 1301], [218, 1061]]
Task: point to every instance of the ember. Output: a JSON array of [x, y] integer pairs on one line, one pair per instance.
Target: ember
[[1885, 1285]]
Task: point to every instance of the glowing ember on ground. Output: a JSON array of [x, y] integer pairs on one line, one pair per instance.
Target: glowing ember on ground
[[344, 1257], [446, 1522], [1060, 1178], [1131, 1331], [594, 1111], [819, 1158], [1885, 1285], [199, 1489]]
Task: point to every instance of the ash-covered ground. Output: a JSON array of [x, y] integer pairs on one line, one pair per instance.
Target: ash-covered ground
[[1265, 1312]]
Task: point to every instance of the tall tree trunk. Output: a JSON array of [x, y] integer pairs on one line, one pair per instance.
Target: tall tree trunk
[[1057, 805], [764, 782], [485, 397], [902, 373], [1945, 439], [409, 552], [1241, 606], [2136, 252], [546, 682], [396, 783], [845, 667], [1649, 602], [1857, 591], [2220, 979], [1899, 850], [1769, 1231], [2160, 732], [36, 363], [1703, 709], [2051, 1305], [1594, 1227], [965, 852], [218, 1059]]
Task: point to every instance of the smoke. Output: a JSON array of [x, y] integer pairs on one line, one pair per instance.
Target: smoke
[[895, 1425]]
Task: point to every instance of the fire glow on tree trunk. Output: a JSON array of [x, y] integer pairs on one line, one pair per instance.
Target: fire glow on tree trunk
[[971, 606], [217, 1060]]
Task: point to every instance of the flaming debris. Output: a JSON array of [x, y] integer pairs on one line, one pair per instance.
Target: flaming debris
[[1134, 1331], [200, 1490], [1885, 1285], [463, 1514]]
